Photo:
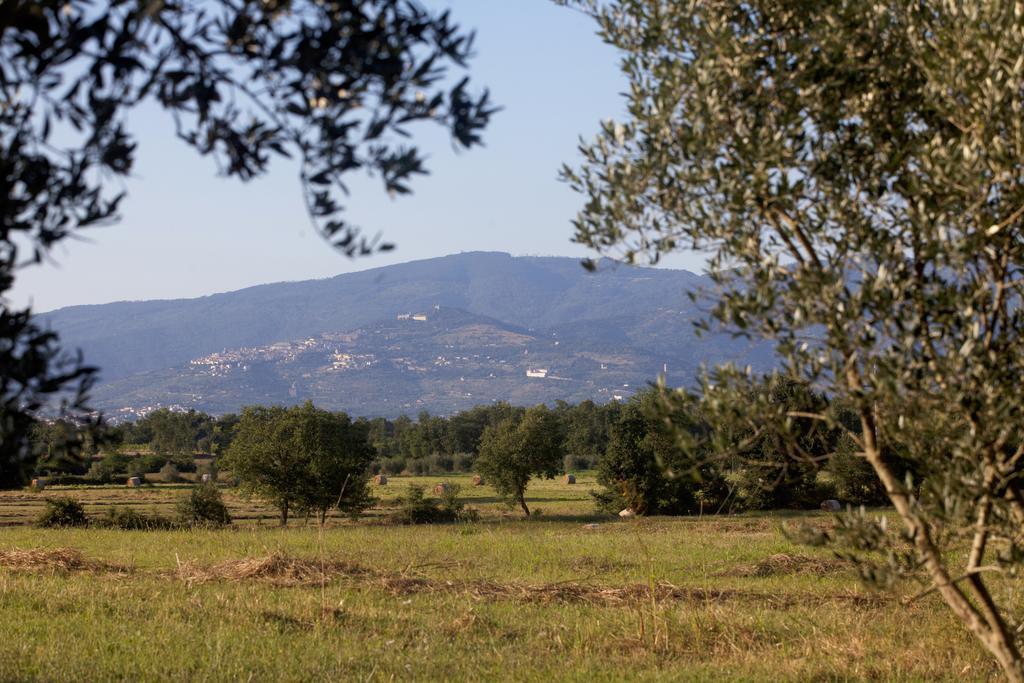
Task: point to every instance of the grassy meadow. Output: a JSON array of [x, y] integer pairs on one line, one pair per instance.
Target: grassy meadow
[[566, 595]]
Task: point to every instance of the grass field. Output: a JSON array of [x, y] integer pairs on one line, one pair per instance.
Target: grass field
[[549, 598]]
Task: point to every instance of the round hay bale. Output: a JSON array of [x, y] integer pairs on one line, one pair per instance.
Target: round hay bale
[[478, 480], [831, 505], [570, 479], [381, 480], [627, 513], [38, 484], [207, 478], [441, 489], [134, 482]]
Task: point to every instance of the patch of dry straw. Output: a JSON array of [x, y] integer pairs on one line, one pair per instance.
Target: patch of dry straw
[[281, 569], [276, 568], [56, 559], [783, 564]]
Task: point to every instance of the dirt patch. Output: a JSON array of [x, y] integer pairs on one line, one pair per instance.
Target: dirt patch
[[786, 565], [57, 559], [275, 568]]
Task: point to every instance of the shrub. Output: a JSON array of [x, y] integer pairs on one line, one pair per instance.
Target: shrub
[[209, 468], [101, 471], [169, 473], [416, 508], [62, 512], [419, 467], [464, 462], [131, 520], [393, 466], [440, 463], [576, 463], [204, 507]]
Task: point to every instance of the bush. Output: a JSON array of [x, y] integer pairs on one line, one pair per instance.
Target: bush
[[855, 480], [393, 466], [132, 520], [416, 508], [209, 468], [101, 472], [169, 473], [62, 512], [204, 507], [576, 463], [464, 462]]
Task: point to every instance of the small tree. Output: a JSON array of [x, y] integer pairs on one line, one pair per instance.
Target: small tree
[[513, 451], [855, 172], [204, 506], [301, 457], [644, 469]]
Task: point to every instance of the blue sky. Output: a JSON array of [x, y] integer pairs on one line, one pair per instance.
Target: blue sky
[[186, 232]]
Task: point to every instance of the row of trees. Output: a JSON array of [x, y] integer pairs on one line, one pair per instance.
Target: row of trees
[[699, 460]]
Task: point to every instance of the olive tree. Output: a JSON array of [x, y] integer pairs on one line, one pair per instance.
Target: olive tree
[[519, 448], [854, 172], [339, 86], [301, 458]]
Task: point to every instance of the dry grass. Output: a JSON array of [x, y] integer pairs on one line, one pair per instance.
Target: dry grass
[[276, 568], [283, 570], [58, 559], [782, 564]]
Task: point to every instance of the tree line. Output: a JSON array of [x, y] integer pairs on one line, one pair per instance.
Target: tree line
[[305, 458]]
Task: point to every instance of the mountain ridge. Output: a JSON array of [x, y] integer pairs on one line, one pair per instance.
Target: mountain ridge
[[640, 317]]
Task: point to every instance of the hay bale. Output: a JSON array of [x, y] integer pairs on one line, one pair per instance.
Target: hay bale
[[478, 480], [38, 484], [441, 489], [570, 479], [627, 513], [831, 505], [134, 482], [206, 478], [381, 480]]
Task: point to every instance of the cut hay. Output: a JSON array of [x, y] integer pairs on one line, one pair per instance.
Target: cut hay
[[57, 559], [276, 568], [783, 565], [608, 596]]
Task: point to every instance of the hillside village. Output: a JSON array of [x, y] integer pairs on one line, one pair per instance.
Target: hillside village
[[440, 360]]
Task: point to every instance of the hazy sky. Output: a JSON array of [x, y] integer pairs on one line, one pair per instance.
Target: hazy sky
[[186, 232]]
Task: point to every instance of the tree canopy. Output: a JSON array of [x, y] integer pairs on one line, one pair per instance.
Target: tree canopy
[[301, 458], [516, 449], [855, 174], [338, 85]]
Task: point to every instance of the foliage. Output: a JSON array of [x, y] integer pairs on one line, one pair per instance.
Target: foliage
[[853, 171], [204, 506], [335, 84], [514, 450], [645, 471], [301, 457], [414, 507], [129, 519], [169, 473], [62, 512]]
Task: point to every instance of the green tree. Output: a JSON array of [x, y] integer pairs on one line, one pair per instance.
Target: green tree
[[645, 470], [854, 173], [337, 85], [301, 458], [514, 450]]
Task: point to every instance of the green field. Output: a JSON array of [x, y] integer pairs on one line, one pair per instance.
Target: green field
[[506, 598]]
